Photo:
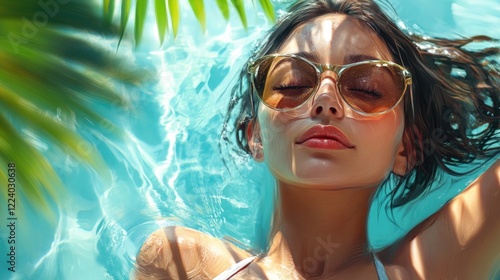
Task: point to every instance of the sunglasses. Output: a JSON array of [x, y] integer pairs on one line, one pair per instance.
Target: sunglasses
[[371, 88]]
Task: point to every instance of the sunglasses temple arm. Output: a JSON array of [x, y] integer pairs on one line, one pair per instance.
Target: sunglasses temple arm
[[412, 104], [252, 102]]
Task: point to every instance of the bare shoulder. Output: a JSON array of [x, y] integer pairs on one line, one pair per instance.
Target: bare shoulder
[[183, 253], [460, 241]]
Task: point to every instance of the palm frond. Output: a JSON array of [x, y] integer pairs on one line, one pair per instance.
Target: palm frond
[[199, 11], [125, 13], [161, 19], [239, 5], [140, 17], [108, 9], [51, 77], [162, 16], [124, 18], [175, 15], [268, 8], [224, 8]]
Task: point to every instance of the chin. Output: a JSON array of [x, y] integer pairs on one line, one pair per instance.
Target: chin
[[320, 177]]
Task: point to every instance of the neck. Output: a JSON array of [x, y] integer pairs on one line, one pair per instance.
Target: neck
[[321, 231]]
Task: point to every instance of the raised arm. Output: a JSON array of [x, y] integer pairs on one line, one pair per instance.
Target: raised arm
[[461, 241]]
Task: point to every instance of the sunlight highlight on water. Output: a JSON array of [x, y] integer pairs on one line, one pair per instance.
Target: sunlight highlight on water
[[169, 171]]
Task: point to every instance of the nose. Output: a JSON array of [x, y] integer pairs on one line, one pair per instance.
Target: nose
[[327, 102]]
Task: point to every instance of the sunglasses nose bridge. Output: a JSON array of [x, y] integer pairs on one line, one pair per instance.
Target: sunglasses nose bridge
[[329, 70], [328, 83]]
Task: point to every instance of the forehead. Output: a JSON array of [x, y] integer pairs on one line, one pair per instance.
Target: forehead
[[333, 37]]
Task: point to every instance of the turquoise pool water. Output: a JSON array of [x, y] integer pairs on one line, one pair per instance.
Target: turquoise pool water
[[170, 171]]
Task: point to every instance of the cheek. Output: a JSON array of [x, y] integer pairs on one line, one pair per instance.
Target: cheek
[[277, 127], [278, 140], [270, 127], [378, 147]]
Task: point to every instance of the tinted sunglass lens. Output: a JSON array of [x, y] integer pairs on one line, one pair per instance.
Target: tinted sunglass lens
[[372, 87], [285, 82]]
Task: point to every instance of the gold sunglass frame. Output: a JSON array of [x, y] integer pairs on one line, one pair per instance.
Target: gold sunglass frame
[[253, 69]]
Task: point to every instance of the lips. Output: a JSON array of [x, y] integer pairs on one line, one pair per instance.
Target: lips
[[324, 137]]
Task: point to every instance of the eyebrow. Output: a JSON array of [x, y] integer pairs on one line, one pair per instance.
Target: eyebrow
[[352, 58], [307, 55]]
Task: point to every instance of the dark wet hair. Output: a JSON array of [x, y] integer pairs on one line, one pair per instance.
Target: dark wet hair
[[456, 93]]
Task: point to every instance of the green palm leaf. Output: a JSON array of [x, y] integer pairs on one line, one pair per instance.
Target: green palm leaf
[[124, 17], [50, 80], [162, 19], [224, 8], [108, 9], [175, 14], [240, 8], [268, 9], [140, 17], [125, 14], [199, 12]]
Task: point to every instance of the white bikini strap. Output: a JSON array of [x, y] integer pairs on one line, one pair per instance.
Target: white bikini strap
[[380, 268], [235, 268]]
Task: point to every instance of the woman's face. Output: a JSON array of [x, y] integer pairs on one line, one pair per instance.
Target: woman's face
[[371, 145]]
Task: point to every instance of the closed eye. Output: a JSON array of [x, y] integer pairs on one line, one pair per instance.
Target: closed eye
[[291, 87], [368, 92]]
